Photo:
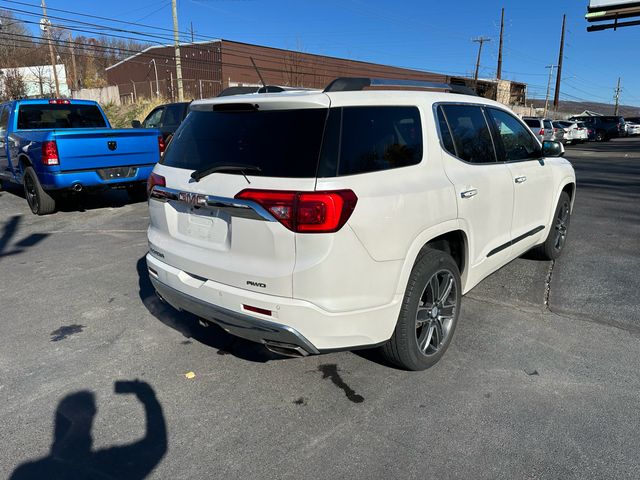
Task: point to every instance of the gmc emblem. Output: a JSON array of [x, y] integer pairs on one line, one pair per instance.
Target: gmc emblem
[[112, 145], [194, 199]]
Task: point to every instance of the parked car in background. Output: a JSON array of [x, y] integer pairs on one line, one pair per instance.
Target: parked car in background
[[541, 127], [267, 214], [166, 118], [635, 120], [605, 127], [573, 132], [558, 133], [633, 128], [60, 145]]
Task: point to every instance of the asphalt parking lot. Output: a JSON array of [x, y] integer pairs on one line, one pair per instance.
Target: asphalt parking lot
[[541, 380]]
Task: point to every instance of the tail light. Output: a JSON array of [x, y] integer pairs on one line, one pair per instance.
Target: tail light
[[541, 132], [161, 144], [59, 101], [155, 179], [306, 212], [50, 153]]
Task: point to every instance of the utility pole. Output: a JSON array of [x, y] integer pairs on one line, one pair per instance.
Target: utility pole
[[556, 97], [499, 71], [176, 38], [47, 28], [546, 101], [76, 84], [192, 40], [615, 111], [480, 41]]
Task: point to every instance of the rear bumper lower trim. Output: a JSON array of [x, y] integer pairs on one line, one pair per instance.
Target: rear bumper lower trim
[[235, 323]]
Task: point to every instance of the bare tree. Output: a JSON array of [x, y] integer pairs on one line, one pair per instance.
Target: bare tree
[[13, 85]]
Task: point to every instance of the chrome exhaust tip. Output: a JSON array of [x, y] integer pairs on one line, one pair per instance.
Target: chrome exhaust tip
[[77, 187], [285, 349]]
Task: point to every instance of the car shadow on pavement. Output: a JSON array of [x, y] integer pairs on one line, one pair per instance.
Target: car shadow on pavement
[[71, 455], [190, 327], [83, 201]]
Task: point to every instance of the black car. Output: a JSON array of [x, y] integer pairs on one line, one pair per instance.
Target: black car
[[605, 127], [166, 118]]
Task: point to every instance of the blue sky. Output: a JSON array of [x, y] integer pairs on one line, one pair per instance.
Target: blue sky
[[427, 35]]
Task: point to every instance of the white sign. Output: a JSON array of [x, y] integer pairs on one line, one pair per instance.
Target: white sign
[[610, 4]]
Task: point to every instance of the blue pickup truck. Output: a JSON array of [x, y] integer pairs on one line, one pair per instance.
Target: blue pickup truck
[[60, 145]]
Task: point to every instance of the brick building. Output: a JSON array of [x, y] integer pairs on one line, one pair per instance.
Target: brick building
[[209, 67]]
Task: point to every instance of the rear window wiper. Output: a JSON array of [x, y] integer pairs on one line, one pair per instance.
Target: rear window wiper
[[199, 174]]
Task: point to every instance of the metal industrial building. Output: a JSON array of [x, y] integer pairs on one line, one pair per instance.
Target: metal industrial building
[[209, 67]]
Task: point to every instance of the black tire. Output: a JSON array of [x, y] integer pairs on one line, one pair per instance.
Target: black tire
[[426, 317], [553, 246], [40, 202], [137, 193], [601, 136]]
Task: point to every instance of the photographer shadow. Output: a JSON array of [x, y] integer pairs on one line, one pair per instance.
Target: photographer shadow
[[191, 328], [71, 455]]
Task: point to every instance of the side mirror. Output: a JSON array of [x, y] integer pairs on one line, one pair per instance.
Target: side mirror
[[552, 149], [136, 124]]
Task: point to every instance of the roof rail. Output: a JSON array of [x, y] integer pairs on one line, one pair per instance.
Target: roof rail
[[353, 84]]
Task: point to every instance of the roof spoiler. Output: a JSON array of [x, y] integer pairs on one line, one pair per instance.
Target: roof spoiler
[[266, 89], [354, 84]]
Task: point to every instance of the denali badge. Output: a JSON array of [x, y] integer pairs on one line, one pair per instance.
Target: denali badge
[[256, 284], [194, 199]]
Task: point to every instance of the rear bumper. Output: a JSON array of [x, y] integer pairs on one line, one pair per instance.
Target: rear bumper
[[235, 323], [291, 321], [90, 179]]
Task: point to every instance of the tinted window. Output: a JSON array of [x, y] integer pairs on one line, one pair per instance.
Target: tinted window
[[379, 138], [532, 122], [51, 116], [4, 118], [547, 124], [445, 133], [172, 116], [470, 132], [153, 119], [283, 143], [517, 142]]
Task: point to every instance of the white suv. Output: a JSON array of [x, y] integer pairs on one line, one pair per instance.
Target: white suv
[[344, 219]]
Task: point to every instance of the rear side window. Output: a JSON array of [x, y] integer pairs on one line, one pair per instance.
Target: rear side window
[[470, 132], [172, 116], [516, 141], [547, 124], [52, 116], [282, 143], [378, 138], [532, 122], [4, 118]]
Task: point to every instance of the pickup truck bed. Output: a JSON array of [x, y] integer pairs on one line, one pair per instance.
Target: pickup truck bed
[[51, 146]]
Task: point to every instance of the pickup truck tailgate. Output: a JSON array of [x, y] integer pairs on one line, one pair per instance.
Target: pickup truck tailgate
[[80, 150]]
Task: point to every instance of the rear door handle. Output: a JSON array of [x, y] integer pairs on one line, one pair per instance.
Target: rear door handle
[[469, 193], [521, 179]]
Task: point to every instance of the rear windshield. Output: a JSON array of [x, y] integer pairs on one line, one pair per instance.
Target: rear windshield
[[612, 119], [51, 116], [532, 122], [300, 143], [283, 143]]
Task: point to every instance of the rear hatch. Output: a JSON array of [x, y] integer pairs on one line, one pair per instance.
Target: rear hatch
[[105, 148], [200, 228]]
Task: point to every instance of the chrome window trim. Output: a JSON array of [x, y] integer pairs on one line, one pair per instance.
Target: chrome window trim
[[233, 206]]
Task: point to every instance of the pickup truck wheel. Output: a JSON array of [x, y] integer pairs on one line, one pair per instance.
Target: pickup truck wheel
[[429, 313], [600, 137], [40, 202], [557, 237]]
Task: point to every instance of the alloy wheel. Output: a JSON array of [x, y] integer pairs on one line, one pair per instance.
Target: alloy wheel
[[436, 312]]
